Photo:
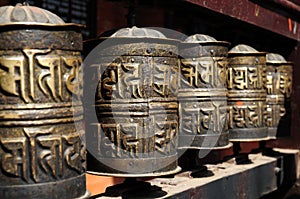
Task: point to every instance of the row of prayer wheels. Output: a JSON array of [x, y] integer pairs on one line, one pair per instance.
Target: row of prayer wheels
[[145, 96], [156, 95]]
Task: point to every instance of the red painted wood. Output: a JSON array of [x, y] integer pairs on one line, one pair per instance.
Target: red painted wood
[[252, 13]]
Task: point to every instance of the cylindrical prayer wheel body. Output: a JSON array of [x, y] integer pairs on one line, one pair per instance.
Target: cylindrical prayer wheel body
[[136, 105], [246, 78], [203, 117], [41, 153], [279, 88]]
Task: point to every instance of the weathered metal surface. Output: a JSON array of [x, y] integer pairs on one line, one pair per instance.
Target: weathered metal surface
[[136, 105], [250, 12], [230, 181], [246, 77], [41, 152], [279, 88], [202, 97]]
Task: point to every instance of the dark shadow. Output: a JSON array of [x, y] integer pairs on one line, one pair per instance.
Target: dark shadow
[[189, 162], [240, 158], [201, 172], [132, 188], [286, 175], [293, 196], [284, 126]]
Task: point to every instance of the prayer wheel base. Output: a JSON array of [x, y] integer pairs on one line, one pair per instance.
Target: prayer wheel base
[[69, 188], [130, 167], [248, 135]]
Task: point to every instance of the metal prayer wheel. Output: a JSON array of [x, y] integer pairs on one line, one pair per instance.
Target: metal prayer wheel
[[203, 112], [279, 88], [41, 153], [136, 133], [246, 77]]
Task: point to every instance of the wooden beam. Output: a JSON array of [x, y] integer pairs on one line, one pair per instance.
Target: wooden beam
[[250, 12]]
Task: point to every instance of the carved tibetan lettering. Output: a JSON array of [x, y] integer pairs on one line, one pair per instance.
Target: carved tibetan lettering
[[50, 158], [239, 116], [190, 72], [72, 154], [12, 76], [254, 113], [269, 84], [111, 140], [165, 136], [50, 80], [130, 139], [190, 120], [109, 81], [132, 81], [230, 78], [199, 120], [285, 84], [73, 80], [245, 116], [269, 116], [241, 78], [22, 75], [162, 79], [207, 72], [31, 54], [213, 117], [221, 67], [254, 76], [15, 157], [282, 111], [120, 140], [32, 134]]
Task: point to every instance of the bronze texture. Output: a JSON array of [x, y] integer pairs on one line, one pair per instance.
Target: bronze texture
[[136, 105], [203, 112], [41, 152], [246, 78], [279, 88]]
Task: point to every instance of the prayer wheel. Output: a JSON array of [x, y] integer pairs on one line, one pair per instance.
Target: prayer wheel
[[279, 88], [136, 132], [41, 153], [246, 77], [203, 111]]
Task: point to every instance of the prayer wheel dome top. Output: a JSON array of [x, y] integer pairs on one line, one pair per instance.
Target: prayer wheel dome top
[[243, 49], [275, 58], [25, 14], [199, 38], [136, 32]]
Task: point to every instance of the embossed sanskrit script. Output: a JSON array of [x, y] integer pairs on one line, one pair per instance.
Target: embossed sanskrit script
[[39, 71]]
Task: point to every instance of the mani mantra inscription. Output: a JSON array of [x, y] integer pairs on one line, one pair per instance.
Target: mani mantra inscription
[[131, 77], [35, 72], [40, 154], [199, 73]]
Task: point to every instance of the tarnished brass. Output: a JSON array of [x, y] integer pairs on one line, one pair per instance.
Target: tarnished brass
[[246, 77], [279, 88], [136, 104], [203, 112], [41, 152]]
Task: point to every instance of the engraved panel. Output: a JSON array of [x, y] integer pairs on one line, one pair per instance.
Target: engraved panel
[[246, 116], [138, 77], [40, 75], [202, 117], [244, 77], [40, 154], [203, 72]]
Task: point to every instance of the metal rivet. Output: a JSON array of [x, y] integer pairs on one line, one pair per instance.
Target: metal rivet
[[149, 50]]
